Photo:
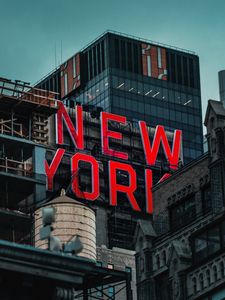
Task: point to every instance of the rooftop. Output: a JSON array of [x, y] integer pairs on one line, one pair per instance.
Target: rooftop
[[122, 35]]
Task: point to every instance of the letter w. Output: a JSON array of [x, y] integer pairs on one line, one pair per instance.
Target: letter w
[[151, 152]]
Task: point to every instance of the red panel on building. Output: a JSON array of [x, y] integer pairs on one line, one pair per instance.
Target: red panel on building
[[70, 75], [154, 61]]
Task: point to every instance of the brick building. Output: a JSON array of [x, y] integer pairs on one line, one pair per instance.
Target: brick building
[[181, 253]]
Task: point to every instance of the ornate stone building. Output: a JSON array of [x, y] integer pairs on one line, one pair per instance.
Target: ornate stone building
[[181, 254]]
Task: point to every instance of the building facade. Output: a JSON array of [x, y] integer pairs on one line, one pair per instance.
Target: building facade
[[180, 255], [24, 113]]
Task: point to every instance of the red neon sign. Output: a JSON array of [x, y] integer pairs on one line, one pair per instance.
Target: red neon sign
[[106, 134], [75, 134], [150, 150], [75, 176], [115, 187]]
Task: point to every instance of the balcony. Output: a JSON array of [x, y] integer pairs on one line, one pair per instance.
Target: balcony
[[207, 277], [19, 168]]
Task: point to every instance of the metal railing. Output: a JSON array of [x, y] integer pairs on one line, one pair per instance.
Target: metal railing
[[27, 93], [15, 129], [16, 167]]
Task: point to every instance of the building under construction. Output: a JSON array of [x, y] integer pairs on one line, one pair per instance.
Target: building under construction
[[25, 142], [24, 113]]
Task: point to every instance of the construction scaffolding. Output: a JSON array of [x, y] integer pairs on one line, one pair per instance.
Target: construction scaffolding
[[24, 110]]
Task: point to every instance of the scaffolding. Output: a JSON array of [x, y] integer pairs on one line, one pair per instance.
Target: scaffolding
[[22, 92]]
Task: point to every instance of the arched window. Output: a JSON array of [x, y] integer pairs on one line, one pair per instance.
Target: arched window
[[201, 281], [208, 277], [157, 261], [221, 269], [194, 285], [215, 274], [164, 257]]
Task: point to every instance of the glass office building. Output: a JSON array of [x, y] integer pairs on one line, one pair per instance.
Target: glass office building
[[140, 79]]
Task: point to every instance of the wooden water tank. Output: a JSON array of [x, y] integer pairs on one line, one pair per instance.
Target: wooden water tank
[[72, 219]]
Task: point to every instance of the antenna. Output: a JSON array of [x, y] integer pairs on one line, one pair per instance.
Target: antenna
[[55, 57], [61, 52]]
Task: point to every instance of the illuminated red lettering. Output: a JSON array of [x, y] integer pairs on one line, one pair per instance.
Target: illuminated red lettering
[[51, 170], [148, 191], [75, 134], [94, 194], [116, 187], [164, 177], [106, 134], [160, 137]]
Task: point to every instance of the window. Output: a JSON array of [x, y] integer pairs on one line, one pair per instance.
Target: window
[[208, 277], [201, 247], [207, 243], [213, 240], [201, 280], [194, 283], [215, 274], [182, 213]]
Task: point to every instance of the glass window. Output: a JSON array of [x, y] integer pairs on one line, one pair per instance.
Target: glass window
[[196, 102], [165, 113], [140, 88], [171, 96], [191, 119], [206, 198], [114, 81], [147, 90], [182, 213], [157, 93], [148, 109], [177, 97], [141, 107], [172, 115], [201, 247], [154, 110], [165, 94], [213, 240], [160, 111], [207, 243], [183, 98], [178, 116], [134, 106]]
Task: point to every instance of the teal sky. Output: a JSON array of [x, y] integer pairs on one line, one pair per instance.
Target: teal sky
[[30, 30]]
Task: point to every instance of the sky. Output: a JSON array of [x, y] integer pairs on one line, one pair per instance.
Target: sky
[[32, 33]]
